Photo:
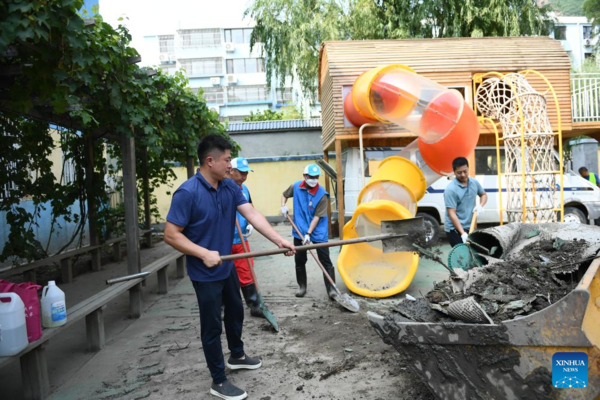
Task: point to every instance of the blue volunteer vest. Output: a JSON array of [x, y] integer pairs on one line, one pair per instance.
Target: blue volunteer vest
[[304, 212], [240, 217]]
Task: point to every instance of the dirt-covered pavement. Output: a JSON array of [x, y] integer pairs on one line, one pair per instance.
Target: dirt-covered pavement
[[322, 351]]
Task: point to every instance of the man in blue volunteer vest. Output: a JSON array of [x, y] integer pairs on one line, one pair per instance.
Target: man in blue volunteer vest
[[200, 224], [239, 173], [310, 216], [590, 176]]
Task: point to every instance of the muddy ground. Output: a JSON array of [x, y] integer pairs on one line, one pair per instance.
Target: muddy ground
[[541, 274], [322, 351]]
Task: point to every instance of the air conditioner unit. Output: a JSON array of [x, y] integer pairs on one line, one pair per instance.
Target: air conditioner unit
[[588, 42], [231, 79], [167, 58], [214, 109], [215, 81], [230, 47]]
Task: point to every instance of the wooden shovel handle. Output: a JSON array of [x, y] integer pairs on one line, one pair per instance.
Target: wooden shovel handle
[[473, 223], [312, 253], [311, 246]]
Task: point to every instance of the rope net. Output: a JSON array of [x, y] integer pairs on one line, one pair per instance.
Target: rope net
[[530, 166]]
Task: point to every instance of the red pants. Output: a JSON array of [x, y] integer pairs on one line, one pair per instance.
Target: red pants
[[241, 265]]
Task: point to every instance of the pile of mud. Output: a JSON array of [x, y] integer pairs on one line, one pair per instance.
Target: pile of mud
[[525, 283]]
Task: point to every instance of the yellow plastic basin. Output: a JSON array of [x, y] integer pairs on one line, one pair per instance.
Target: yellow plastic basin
[[364, 268]]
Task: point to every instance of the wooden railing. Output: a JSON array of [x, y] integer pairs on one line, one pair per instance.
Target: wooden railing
[[585, 97]]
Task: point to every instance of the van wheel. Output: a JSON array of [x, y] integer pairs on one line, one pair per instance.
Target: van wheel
[[574, 216], [433, 229]]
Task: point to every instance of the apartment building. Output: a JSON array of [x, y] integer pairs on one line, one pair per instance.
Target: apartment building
[[219, 62], [577, 37]]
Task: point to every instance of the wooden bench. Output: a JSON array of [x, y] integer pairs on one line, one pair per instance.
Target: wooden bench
[[66, 260], [34, 369]]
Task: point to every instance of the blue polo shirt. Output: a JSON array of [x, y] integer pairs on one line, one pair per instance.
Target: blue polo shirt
[[462, 198], [208, 218]]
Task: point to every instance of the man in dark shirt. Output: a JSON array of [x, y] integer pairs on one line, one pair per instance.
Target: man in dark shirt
[[200, 224], [310, 216]]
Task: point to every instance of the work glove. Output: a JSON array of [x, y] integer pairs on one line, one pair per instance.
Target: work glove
[[464, 237], [249, 230], [478, 210], [284, 211], [306, 240]]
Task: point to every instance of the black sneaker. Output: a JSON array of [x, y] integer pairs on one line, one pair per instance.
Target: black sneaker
[[245, 363], [227, 391]]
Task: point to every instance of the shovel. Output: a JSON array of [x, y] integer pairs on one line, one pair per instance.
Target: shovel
[[342, 298], [261, 304], [393, 239]]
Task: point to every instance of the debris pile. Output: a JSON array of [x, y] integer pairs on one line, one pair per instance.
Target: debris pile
[[541, 273]]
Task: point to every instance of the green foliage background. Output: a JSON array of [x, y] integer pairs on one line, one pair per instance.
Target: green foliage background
[[82, 77], [292, 30]]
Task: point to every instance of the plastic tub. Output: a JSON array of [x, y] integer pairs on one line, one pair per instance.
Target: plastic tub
[[364, 268]]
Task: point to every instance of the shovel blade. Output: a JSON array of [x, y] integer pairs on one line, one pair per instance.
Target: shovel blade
[[413, 230], [347, 302], [268, 316]]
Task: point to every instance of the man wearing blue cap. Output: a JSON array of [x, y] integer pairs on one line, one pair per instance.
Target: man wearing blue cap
[[239, 173], [310, 216]]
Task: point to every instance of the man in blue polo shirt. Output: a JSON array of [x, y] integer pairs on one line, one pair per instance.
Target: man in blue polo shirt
[[310, 216], [460, 198], [200, 224]]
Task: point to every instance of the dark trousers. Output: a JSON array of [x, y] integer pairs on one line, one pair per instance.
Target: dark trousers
[[454, 237], [210, 297], [323, 254]]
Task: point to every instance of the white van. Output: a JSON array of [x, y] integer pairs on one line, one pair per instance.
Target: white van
[[582, 199]]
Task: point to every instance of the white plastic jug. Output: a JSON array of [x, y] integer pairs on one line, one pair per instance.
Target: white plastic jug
[[13, 331], [54, 308]]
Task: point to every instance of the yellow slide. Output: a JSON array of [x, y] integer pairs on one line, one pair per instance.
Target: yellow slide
[[446, 128]]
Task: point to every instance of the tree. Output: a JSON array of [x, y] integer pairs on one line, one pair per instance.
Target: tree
[[591, 9], [266, 115], [292, 30], [82, 75], [568, 7]]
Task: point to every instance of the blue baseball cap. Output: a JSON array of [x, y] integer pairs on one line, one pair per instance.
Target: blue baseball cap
[[312, 170], [241, 164]]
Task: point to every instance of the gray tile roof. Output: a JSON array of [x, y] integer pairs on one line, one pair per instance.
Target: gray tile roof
[[283, 125]]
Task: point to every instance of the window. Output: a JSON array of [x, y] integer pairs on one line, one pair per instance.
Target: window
[[560, 33], [245, 65], [588, 32], [69, 171], [247, 93], [461, 89], [485, 161], [213, 95], [238, 35], [168, 69], [202, 66], [284, 95], [9, 185], [200, 38], [233, 118], [166, 44]]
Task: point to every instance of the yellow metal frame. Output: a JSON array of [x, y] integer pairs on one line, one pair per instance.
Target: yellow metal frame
[[478, 79]]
